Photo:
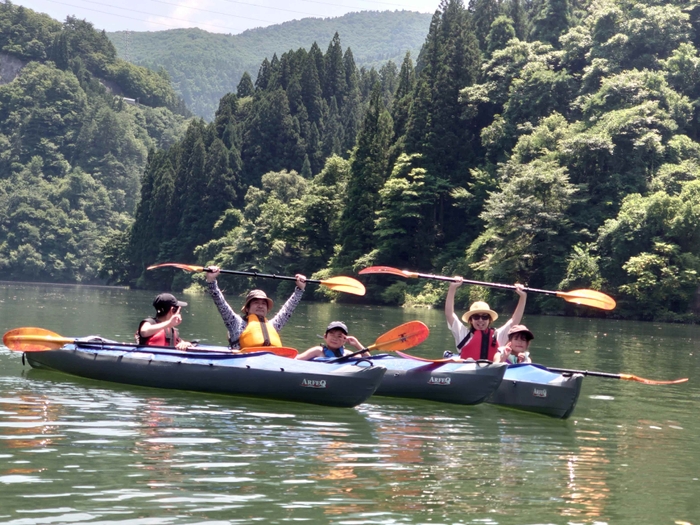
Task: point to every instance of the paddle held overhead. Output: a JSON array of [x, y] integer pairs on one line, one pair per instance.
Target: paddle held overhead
[[337, 284], [585, 297]]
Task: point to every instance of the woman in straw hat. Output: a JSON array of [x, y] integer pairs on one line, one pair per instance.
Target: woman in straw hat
[[480, 340], [253, 328]]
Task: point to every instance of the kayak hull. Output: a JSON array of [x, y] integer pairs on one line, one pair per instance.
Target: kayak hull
[[261, 375], [533, 388], [467, 383]]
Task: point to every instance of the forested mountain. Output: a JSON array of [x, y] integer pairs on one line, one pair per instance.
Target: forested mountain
[[72, 147], [205, 66], [552, 142]]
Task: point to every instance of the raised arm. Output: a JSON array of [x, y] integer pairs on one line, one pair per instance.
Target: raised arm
[[285, 313], [520, 308], [233, 321], [356, 343], [450, 301]]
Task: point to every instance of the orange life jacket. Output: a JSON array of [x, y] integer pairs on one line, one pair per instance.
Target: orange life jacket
[[259, 332]]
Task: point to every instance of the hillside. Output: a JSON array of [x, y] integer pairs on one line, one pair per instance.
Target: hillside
[[560, 152], [74, 143], [205, 66]]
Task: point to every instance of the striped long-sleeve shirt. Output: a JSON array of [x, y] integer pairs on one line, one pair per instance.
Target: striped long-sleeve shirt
[[235, 324]]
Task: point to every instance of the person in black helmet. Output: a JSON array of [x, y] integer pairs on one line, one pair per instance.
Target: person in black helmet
[[161, 330]]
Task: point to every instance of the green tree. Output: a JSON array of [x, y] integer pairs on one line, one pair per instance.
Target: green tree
[[484, 13], [501, 33], [550, 19], [405, 225], [527, 225], [245, 87], [368, 172]]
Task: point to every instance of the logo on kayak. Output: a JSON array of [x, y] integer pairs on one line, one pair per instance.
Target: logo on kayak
[[539, 392], [314, 383], [439, 381]]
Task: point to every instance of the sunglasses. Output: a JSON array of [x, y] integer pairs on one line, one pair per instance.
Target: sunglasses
[[481, 317]]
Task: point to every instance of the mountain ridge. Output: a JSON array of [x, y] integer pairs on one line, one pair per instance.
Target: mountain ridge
[[205, 66]]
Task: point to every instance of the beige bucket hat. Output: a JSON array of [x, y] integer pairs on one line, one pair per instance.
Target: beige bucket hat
[[479, 307], [257, 294]]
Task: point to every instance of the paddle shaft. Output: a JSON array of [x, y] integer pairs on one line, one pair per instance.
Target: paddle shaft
[[363, 350], [265, 275], [477, 283], [585, 373], [625, 377]]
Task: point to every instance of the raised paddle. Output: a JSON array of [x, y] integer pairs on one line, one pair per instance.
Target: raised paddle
[[625, 377], [31, 339], [586, 297], [402, 337], [338, 284]]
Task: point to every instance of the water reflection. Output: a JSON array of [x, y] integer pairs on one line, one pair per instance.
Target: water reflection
[[80, 451]]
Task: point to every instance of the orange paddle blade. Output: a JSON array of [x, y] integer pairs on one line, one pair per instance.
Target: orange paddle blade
[[402, 337], [277, 350], [344, 284], [186, 267], [387, 270], [31, 339], [630, 377], [589, 298]]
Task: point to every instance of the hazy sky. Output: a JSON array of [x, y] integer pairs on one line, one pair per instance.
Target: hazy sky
[[219, 16]]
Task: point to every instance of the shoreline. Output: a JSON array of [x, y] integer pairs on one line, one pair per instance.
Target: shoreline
[[35, 283]]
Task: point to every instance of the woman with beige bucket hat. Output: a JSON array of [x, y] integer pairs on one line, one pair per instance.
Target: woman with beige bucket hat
[[253, 328], [480, 340]]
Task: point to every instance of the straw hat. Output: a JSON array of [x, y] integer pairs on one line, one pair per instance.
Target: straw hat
[[257, 294], [479, 307]]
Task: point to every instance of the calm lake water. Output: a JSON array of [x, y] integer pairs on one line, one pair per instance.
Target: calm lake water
[[79, 451]]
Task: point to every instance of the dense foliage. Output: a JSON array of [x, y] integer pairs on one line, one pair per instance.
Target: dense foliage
[[552, 143], [71, 153], [205, 66], [278, 154]]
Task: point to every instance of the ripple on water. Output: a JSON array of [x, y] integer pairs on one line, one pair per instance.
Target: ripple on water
[[12, 479]]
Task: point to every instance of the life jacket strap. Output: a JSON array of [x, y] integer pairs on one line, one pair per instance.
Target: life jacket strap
[[265, 332]]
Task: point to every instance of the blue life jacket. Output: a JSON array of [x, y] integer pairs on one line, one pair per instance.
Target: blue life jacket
[[327, 352]]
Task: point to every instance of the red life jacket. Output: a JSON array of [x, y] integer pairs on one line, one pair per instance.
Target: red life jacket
[[479, 344], [165, 337]]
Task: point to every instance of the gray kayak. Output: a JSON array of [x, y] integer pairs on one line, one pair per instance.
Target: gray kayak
[[534, 388], [214, 369], [467, 383]]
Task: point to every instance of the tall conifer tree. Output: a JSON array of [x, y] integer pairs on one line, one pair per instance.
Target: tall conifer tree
[[368, 173], [351, 113], [484, 12], [245, 86], [335, 72]]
